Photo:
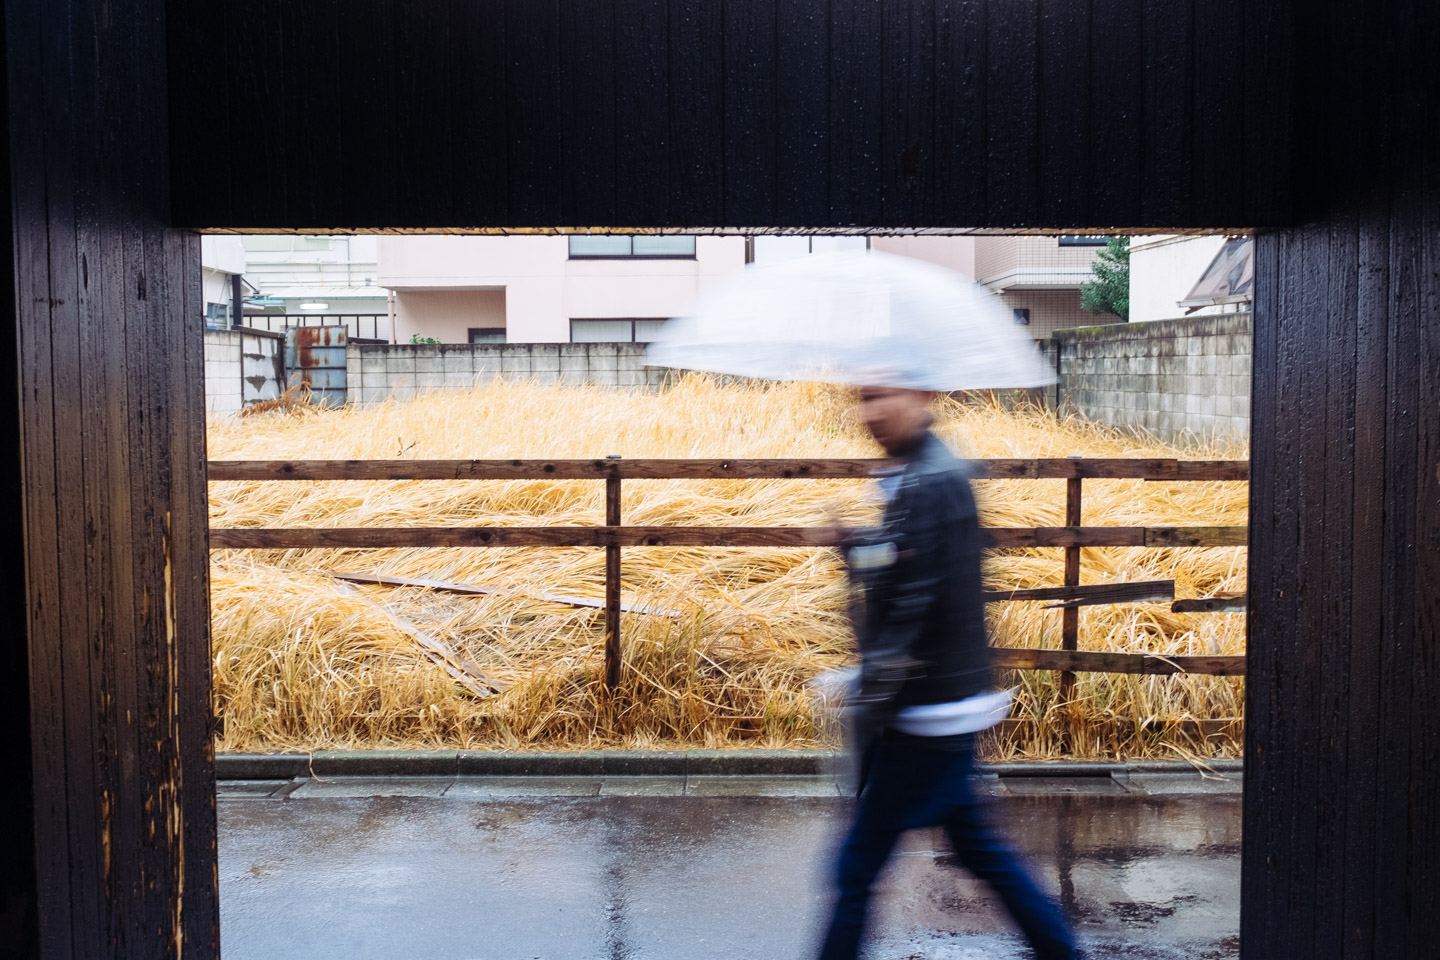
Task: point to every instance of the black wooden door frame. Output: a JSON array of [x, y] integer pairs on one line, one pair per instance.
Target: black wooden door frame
[[1315, 123]]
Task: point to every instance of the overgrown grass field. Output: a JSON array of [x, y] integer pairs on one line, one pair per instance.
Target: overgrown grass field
[[302, 661]]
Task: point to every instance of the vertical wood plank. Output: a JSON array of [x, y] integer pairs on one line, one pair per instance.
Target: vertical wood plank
[[1367, 614], [45, 701], [1065, 72], [478, 114], [613, 653], [533, 110], [961, 169], [368, 164], [1267, 130], [1261, 876], [256, 84], [642, 109], [1400, 797], [424, 110], [86, 820], [19, 887], [1168, 105], [697, 115], [1116, 92], [1334, 714], [195, 106], [589, 93], [1306, 631], [750, 125], [908, 129], [1012, 87], [802, 155], [1217, 56], [310, 70], [856, 91], [1070, 616], [1425, 676], [125, 853]]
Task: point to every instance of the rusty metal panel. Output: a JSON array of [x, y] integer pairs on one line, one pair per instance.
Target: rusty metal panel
[[315, 357]]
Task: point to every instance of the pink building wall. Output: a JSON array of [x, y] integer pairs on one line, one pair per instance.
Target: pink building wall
[[446, 315], [957, 253], [540, 287]]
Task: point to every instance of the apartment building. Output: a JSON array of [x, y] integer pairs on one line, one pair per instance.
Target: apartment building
[[1039, 278], [589, 288], [547, 289], [308, 280], [559, 289]]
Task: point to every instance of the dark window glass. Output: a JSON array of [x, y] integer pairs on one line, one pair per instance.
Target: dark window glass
[[487, 334]]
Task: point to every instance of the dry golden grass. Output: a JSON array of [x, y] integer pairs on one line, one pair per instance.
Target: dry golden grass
[[302, 663]]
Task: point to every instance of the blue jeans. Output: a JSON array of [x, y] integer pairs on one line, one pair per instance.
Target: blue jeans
[[913, 782]]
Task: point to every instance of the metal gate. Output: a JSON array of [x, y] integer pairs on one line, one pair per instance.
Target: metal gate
[[315, 357]]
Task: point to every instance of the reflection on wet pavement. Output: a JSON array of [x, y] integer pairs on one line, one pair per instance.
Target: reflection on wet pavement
[[639, 877]]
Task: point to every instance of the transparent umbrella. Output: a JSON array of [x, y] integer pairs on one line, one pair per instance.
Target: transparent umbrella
[[860, 318]]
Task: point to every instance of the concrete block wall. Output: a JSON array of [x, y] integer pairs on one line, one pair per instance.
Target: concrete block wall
[[262, 365], [223, 370], [376, 372], [241, 367], [1179, 379]]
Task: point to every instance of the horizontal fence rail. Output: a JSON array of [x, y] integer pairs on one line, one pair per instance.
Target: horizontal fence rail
[[715, 469], [614, 535], [373, 538]]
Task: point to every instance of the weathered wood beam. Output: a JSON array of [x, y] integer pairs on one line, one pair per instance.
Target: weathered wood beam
[[1096, 661], [339, 538], [710, 469], [1090, 594]]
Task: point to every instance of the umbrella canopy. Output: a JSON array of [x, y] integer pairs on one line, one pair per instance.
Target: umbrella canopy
[[860, 318]]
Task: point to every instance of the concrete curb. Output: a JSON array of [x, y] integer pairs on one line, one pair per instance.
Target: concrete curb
[[646, 763]]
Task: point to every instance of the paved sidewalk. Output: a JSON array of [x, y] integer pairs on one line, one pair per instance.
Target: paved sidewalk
[[574, 868]]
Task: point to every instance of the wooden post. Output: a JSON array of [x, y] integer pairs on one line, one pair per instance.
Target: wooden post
[[612, 587], [1070, 616]]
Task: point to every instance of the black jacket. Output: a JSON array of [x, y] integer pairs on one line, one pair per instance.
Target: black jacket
[[920, 620]]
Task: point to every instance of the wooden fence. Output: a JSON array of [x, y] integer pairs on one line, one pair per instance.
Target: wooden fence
[[613, 536]]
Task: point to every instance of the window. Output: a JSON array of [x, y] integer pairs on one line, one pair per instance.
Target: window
[[772, 249], [487, 334], [615, 330], [1082, 240], [1022, 316], [608, 247]]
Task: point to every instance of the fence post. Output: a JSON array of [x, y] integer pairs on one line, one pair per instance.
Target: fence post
[[1070, 616], [612, 585]]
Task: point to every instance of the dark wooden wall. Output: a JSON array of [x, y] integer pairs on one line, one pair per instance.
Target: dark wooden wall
[[1342, 791], [108, 358], [746, 113], [1317, 123]]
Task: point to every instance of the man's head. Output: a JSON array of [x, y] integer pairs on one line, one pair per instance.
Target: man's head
[[897, 417]]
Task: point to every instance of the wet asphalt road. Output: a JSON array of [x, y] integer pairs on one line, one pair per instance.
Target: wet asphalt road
[[641, 877]]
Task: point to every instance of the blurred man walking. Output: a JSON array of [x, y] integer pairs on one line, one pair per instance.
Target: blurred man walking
[[925, 680]]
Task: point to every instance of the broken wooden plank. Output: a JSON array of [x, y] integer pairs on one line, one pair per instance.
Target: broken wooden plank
[[467, 673], [1220, 603], [1088, 594], [1096, 661], [466, 589]]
